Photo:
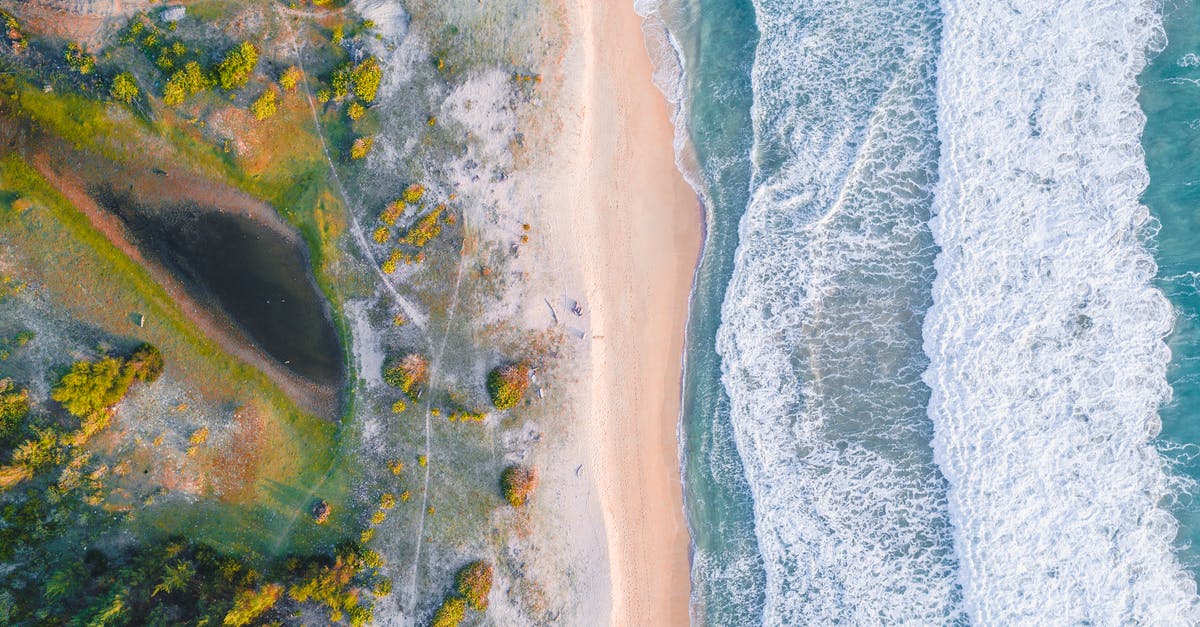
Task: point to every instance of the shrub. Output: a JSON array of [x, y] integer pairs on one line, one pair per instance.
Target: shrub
[[290, 78], [355, 111], [124, 88], [361, 147], [409, 374], [413, 194], [234, 70], [451, 613], [381, 235], [392, 212], [40, 451], [265, 106], [518, 483], [323, 95], [507, 385], [147, 363], [387, 501], [474, 583]]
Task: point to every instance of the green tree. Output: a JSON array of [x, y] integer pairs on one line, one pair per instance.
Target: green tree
[[185, 83], [124, 88], [14, 406], [93, 386], [248, 605], [367, 76], [235, 69]]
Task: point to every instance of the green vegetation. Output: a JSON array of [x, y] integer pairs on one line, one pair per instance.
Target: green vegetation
[[180, 582], [410, 373], [146, 362], [93, 386], [392, 213], [507, 385], [124, 88], [14, 406], [233, 72], [185, 83], [336, 585], [517, 483], [265, 106], [367, 76], [472, 585], [249, 604]]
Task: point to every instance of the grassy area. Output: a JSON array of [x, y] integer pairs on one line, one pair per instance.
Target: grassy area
[[296, 453]]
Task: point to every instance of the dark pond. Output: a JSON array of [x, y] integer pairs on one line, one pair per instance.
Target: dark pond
[[258, 278]]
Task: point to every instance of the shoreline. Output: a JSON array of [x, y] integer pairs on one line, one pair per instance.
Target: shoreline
[[636, 231]]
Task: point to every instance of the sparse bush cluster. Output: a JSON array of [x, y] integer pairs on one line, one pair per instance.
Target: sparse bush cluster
[[427, 228], [507, 385], [517, 484], [79, 60]]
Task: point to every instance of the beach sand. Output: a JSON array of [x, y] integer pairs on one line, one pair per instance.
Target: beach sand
[[633, 228]]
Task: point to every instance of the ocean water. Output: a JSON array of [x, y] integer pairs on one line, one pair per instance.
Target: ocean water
[[946, 327], [1170, 98]]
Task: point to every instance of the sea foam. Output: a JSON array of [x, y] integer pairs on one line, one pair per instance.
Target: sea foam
[[1046, 337], [820, 335]]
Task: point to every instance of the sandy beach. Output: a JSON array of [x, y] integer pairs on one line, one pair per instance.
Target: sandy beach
[[634, 229]]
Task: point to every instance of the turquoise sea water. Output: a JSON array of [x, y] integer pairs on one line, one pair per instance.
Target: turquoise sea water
[[1170, 97], [926, 360]]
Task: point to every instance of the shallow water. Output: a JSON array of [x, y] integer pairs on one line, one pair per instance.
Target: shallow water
[[258, 278]]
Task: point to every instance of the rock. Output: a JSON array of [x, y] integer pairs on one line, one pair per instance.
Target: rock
[[320, 512]]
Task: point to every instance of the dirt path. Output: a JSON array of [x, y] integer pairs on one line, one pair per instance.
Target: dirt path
[[410, 311]]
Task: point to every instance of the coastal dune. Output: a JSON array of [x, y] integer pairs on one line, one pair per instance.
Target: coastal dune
[[634, 229]]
